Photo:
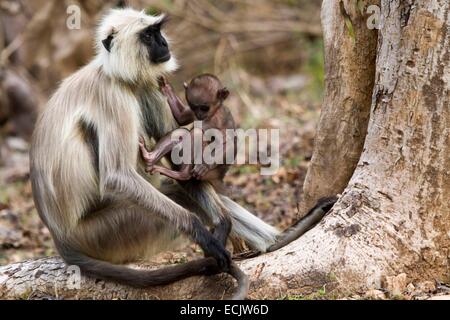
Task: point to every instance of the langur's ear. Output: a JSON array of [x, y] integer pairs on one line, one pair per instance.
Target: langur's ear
[[107, 43], [122, 4], [185, 85], [164, 20], [223, 94]]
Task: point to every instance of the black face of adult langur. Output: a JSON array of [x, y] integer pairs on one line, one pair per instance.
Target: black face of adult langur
[[158, 48], [91, 189]]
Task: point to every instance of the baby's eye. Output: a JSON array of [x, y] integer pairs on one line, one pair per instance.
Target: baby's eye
[[204, 108]]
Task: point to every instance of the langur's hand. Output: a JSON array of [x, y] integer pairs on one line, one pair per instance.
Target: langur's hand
[[212, 247], [200, 170], [217, 251]]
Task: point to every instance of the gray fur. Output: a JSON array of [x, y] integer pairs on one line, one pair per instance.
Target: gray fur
[[85, 171]]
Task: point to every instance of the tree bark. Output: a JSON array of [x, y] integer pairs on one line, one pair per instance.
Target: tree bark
[[50, 278], [392, 218], [399, 194], [350, 57]]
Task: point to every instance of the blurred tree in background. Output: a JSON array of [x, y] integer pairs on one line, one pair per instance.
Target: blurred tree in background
[[269, 53], [263, 38]]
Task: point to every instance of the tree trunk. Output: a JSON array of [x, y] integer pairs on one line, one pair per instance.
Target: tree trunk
[[392, 218], [398, 198], [350, 57], [394, 215]]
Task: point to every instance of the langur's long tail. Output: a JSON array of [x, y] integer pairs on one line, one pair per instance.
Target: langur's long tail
[[135, 278], [256, 233], [265, 238], [242, 280], [148, 278], [313, 217]]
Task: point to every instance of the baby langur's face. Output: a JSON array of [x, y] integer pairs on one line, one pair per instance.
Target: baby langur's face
[[203, 106], [205, 96]]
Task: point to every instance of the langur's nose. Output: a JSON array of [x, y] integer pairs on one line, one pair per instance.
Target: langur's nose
[[162, 42]]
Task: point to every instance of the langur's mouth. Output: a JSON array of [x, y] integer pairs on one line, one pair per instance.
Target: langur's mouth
[[162, 59]]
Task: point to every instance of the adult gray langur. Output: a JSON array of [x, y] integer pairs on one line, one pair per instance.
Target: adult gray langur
[[90, 186]]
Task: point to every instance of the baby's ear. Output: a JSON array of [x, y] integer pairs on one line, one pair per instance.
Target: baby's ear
[[223, 94], [185, 85]]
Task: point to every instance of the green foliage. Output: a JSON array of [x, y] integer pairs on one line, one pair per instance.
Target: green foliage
[[4, 197], [248, 169], [152, 11], [351, 30], [321, 294], [181, 260], [156, 10], [315, 69], [294, 162], [361, 4], [295, 297], [291, 3]]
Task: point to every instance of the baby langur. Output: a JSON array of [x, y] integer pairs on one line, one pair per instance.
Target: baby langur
[[205, 96]]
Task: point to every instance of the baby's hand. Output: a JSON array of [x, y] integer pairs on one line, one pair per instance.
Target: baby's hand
[[164, 86], [152, 169], [162, 82]]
